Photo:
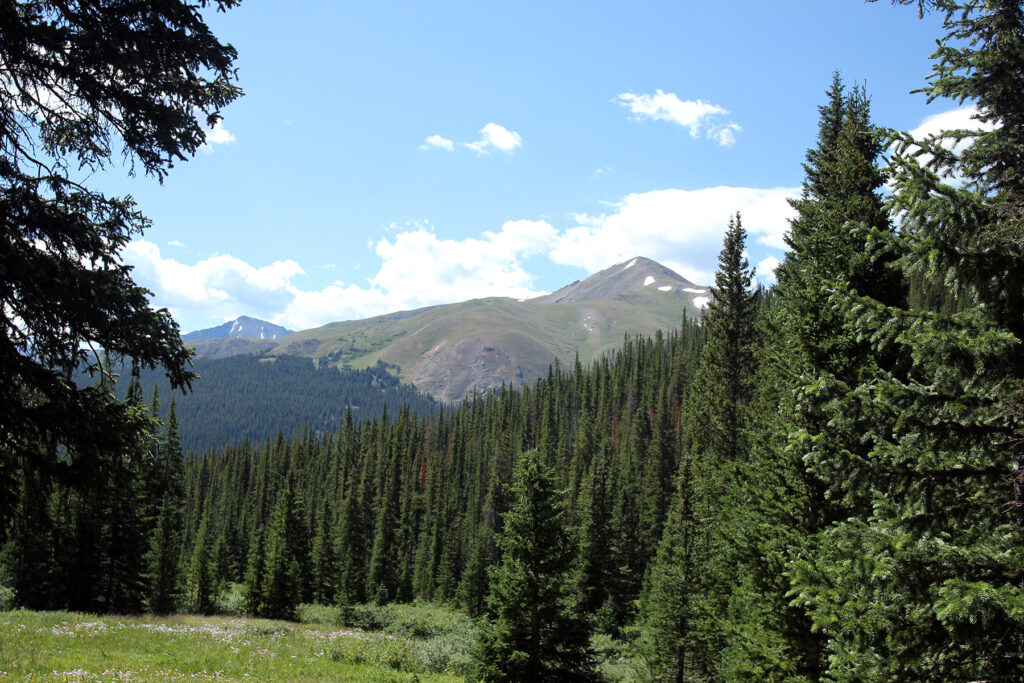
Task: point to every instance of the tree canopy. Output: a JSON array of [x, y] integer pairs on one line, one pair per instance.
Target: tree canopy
[[85, 87]]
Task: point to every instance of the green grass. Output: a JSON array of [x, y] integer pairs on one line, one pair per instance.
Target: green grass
[[64, 646]]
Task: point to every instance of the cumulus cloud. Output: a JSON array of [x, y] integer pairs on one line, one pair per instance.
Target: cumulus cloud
[[681, 228], [446, 270], [493, 136], [725, 135], [955, 119], [221, 285], [218, 135], [766, 270], [417, 269], [438, 142], [962, 118], [696, 115]]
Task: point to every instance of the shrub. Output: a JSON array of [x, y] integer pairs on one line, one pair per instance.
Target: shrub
[[231, 601], [6, 598], [423, 620], [418, 638], [313, 613]]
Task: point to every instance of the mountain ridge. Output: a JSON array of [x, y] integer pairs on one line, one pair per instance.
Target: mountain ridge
[[242, 327], [454, 350]]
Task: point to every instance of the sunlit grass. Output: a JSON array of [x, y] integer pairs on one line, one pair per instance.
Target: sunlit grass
[[63, 646]]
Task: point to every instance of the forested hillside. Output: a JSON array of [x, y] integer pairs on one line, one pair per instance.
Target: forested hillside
[[253, 397], [819, 482]]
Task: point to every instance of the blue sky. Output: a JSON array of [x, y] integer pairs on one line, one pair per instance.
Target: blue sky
[[389, 155]]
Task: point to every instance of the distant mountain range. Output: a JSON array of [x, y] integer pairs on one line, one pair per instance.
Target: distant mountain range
[[451, 351]]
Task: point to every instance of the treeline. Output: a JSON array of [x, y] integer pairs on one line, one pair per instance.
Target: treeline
[[393, 508]]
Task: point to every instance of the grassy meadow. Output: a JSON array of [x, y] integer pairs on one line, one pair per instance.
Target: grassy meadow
[[64, 646]]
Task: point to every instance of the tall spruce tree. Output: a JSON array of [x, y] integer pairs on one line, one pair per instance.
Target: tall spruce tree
[[537, 633], [199, 579], [838, 218], [926, 584], [27, 559], [285, 576], [164, 558], [688, 588]]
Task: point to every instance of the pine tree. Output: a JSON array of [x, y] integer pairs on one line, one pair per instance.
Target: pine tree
[[682, 620], [255, 562], [127, 514], [164, 557], [321, 558], [839, 216], [140, 99], [285, 580], [537, 633], [27, 559], [200, 578], [926, 583]]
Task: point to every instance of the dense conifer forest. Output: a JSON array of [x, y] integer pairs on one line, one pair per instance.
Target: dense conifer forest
[[254, 397], [821, 481]]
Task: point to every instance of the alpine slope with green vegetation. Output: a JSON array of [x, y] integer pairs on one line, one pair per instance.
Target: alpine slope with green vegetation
[[819, 482], [452, 351]]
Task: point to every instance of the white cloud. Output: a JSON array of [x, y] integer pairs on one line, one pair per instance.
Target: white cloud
[[175, 243], [420, 269], [493, 136], [682, 229], [724, 135], [696, 115], [221, 285], [438, 142], [766, 270], [218, 135], [417, 269], [954, 119], [336, 301]]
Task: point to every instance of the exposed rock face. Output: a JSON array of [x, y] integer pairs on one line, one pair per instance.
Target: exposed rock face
[[467, 366]]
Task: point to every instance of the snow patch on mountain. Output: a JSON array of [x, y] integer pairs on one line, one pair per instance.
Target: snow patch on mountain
[[649, 281], [243, 327]]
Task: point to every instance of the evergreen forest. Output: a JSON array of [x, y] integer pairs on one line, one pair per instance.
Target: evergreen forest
[[819, 481], [253, 397]]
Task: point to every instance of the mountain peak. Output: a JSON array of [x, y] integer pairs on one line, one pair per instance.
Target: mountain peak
[[621, 279], [242, 327]]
